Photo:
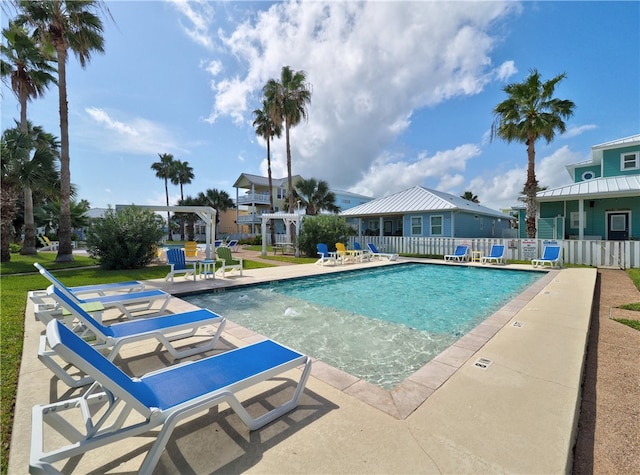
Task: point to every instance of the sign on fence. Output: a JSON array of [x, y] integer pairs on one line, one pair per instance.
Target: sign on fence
[[529, 249]]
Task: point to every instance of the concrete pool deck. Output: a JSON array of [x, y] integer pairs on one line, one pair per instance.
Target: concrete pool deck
[[504, 400]]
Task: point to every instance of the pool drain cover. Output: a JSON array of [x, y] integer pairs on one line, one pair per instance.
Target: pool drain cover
[[482, 363]]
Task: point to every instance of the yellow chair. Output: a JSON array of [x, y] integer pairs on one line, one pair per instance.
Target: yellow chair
[[191, 249], [341, 252]]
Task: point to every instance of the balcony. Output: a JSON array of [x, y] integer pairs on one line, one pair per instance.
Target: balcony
[[254, 198]]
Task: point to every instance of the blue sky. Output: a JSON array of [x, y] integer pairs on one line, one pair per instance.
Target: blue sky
[[402, 93]]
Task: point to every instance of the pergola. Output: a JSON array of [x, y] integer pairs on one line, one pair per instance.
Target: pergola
[[289, 219], [205, 213]]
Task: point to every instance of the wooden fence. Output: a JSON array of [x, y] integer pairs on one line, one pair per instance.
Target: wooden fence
[[619, 254]]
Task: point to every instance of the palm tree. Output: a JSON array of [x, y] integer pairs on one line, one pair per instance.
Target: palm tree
[[218, 200], [65, 25], [316, 196], [288, 101], [29, 160], [30, 73], [165, 171], [182, 175], [190, 218], [468, 195], [528, 114], [267, 129]]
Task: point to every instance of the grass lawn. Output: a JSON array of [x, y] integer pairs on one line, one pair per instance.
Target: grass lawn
[[19, 277]]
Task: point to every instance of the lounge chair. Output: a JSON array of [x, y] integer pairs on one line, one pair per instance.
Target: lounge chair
[[233, 244], [342, 254], [166, 329], [100, 289], [366, 253], [191, 250], [496, 255], [379, 255], [161, 398], [552, 255], [129, 303], [460, 254], [179, 265], [325, 255], [227, 261], [217, 243], [47, 244]]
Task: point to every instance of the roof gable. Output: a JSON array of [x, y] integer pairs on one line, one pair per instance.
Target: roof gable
[[609, 187]]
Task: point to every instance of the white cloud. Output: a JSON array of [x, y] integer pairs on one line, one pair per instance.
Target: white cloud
[[137, 136], [199, 14], [575, 131], [371, 65]]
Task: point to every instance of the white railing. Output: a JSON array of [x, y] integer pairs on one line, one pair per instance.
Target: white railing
[[258, 198], [620, 254]]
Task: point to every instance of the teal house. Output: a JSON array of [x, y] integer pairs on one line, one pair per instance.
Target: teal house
[[602, 203]]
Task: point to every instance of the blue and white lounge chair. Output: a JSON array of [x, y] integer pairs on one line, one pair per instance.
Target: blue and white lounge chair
[[460, 254], [166, 329], [366, 253], [552, 255], [179, 265], [100, 289], [379, 255], [128, 303], [496, 255], [162, 398], [232, 245], [325, 255]]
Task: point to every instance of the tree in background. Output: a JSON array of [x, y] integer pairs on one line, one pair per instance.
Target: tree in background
[[267, 129], [528, 114], [182, 175], [326, 228], [65, 25], [218, 200], [288, 101], [315, 196], [189, 218], [165, 171], [29, 72], [469, 196]]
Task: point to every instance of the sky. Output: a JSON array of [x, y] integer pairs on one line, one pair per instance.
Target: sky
[[402, 93]]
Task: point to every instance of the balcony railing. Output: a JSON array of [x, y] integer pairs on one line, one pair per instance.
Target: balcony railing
[[257, 198]]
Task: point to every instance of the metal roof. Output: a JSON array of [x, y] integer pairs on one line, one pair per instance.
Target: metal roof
[[610, 187], [619, 142], [417, 200]]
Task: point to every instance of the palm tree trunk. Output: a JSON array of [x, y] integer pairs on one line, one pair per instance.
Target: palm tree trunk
[[271, 221], [166, 194], [289, 180], [29, 245], [182, 218], [65, 252], [531, 188]]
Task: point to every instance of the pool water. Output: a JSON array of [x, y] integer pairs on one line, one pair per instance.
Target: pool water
[[380, 324]]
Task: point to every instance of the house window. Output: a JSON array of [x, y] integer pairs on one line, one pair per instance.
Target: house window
[[416, 226], [588, 176], [436, 225], [630, 161], [575, 220], [282, 193], [346, 201]]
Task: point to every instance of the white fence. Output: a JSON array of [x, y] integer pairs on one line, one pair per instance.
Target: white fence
[[620, 254]]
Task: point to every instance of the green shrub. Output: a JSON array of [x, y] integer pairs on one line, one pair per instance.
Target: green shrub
[[328, 229], [14, 248], [126, 239]]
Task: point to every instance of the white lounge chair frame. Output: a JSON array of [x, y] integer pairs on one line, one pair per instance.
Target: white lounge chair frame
[[494, 257], [328, 256], [379, 255], [120, 395], [166, 329], [544, 260], [457, 256], [99, 289]]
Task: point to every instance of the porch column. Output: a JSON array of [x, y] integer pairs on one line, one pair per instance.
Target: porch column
[[263, 230], [381, 227], [581, 219]]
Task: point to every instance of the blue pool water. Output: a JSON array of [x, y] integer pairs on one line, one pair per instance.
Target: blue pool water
[[378, 324]]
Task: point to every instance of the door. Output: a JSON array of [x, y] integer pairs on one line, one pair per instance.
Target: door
[[618, 226]]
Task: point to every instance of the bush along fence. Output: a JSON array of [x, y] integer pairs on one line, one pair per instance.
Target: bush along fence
[[617, 254]]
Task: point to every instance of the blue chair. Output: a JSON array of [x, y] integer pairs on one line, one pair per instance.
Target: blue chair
[[161, 399], [166, 329], [460, 254], [379, 255], [233, 244], [128, 303], [496, 255], [366, 253], [179, 265], [552, 255], [325, 255]]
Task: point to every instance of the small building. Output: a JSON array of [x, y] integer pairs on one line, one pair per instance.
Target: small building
[[421, 212], [602, 203]]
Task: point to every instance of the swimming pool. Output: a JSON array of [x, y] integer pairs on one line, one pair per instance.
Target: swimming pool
[[378, 324]]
